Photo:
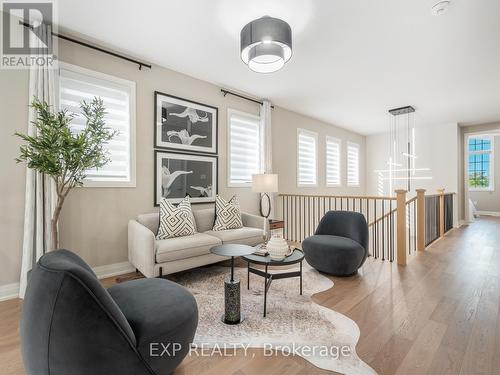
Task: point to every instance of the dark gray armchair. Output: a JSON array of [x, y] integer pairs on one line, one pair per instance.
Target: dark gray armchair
[[71, 325], [340, 244]]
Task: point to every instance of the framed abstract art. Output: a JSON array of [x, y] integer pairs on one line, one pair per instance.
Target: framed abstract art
[[184, 125], [178, 175]]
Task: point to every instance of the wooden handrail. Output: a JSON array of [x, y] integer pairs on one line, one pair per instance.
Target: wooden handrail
[[411, 200], [390, 212], [397, 224], [382, 217], [438, 195], [356, 196], [337, 196]]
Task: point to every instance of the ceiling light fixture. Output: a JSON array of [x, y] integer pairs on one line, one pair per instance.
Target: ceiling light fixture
[[440, 7], [266, 44], [402, 151], [401, 170]]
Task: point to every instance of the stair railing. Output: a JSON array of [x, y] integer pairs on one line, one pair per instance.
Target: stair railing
[[398, 227]]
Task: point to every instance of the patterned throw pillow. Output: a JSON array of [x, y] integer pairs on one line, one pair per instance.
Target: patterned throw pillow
[[227, 214], [175, 221]]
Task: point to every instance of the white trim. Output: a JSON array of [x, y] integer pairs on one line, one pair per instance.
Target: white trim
[[465, 171], [133, 104], [114, 269], [315, 136], [488, 213], [491, 152], [11, 291], [485, 190]]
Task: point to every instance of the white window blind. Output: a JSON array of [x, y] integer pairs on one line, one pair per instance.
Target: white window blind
[[245, 147], [332, 161], [306, 158], [352, 164], [77, 84]]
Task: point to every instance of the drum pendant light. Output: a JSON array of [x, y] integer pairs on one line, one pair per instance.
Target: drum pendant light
[[266, 44]]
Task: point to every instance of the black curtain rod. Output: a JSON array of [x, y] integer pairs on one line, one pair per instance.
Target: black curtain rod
[[225, 92], [91, 46]]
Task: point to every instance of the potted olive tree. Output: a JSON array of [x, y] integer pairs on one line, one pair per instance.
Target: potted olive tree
[[63, 153]]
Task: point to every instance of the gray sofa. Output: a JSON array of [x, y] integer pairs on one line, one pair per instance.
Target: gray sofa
[[154, 257]]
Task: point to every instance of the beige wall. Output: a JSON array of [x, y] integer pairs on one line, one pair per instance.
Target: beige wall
[[14, 116], [94, 220], [485, 200], [285, 125], [436, 147], [429, 140]]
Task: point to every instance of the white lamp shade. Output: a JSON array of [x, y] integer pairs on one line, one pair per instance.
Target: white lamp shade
[[265, 183]]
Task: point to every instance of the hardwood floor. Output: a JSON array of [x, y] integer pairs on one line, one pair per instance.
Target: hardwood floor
[[438, 315]]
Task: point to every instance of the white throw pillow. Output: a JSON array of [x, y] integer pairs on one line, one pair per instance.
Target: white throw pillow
[[175, 221], [227, 214]]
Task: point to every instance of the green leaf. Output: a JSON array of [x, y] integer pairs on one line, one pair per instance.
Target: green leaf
[[61, 152]]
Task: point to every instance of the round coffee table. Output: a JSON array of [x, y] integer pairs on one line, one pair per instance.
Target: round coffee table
[[232, 301], [297, 256]]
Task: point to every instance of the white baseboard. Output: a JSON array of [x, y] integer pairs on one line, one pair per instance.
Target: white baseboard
[[10, 291], [488, 213], [462, 223], [115, 269]]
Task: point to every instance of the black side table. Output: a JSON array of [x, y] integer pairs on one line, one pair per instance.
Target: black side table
[[232, 299], [296, 257]]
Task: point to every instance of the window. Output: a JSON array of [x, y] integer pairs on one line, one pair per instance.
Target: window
[[481, 163], [77, 84], [245, 148], [352, 164], [332, 161], [306, 158]]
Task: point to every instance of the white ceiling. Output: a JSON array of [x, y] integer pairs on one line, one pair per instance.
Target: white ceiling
[[352, 60]]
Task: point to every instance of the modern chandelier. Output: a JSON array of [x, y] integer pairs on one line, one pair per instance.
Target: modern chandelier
[[401, 165], [266, 44]]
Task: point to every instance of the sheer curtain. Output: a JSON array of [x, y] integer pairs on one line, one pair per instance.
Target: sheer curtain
[[40, 189]]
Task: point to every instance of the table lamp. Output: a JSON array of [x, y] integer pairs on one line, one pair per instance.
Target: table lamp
[[265, 183]]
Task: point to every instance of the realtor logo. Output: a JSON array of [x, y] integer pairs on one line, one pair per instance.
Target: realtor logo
[[27, 39]]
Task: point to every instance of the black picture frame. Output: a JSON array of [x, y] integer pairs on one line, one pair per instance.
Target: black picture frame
[[179, 129], [158, 189]]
